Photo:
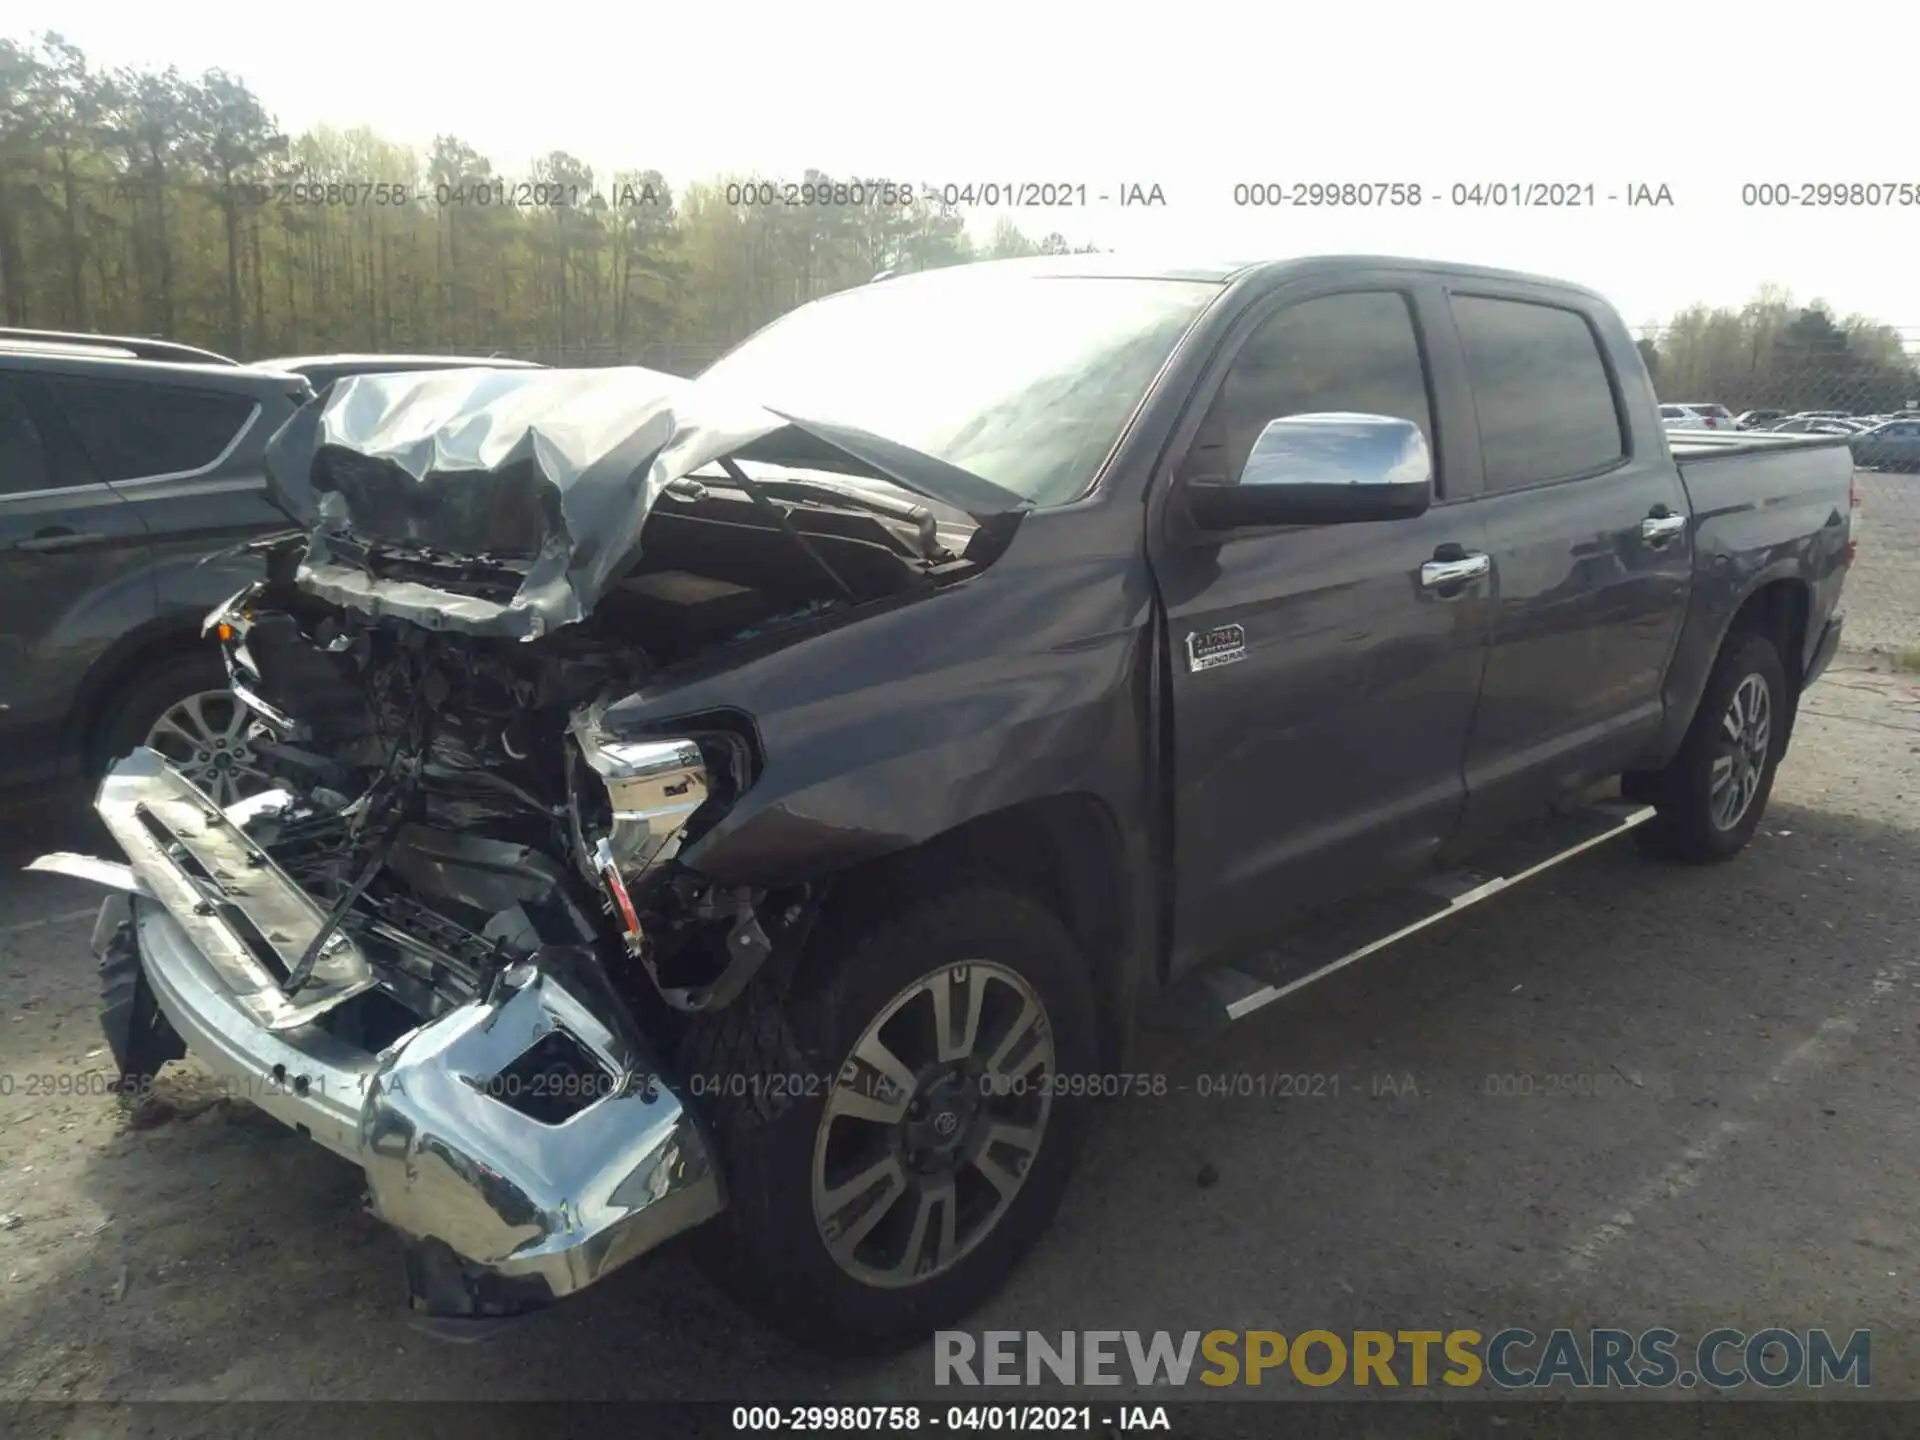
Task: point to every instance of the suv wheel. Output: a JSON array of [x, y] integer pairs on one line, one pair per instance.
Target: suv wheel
[[181, 707], [1712, 794], [895, 1131]]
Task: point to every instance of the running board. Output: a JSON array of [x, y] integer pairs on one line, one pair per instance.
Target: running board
[[1327, 943]]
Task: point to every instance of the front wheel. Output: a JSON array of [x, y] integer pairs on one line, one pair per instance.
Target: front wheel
[[896, 1130], [180, 706], [1711, 796]]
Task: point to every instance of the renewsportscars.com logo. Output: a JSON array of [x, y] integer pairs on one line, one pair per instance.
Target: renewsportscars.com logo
[[1511, 1359]]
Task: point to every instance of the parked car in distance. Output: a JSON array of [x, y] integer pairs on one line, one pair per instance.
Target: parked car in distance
[[1894, 445], [1758, 419], [779, 832], [119, 475], [322, 370], [1696, 417], [1809, 425]]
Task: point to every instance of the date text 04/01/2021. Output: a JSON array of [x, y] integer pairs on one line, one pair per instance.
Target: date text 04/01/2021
[[958, 1419], [1475, 195]]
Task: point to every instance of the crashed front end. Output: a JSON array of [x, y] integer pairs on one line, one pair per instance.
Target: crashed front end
[[523, 1141], [452, 942]]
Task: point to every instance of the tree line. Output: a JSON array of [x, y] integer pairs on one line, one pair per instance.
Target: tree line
[[150, 202], [154, 203], [1774, 353]]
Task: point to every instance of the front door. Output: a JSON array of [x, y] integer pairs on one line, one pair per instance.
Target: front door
[[1322, 693]]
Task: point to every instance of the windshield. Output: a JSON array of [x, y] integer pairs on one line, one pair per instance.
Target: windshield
[[1024, 380]]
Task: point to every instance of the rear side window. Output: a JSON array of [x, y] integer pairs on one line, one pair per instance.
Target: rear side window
[[1541, 391], [1354, 352], [134, 431], [23, 454], [1671, 412]]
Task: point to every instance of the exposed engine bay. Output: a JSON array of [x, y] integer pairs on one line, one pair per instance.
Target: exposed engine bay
[[452, 800], [488, 558]]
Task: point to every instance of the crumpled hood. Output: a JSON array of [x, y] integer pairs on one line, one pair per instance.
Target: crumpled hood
[[536, 483]]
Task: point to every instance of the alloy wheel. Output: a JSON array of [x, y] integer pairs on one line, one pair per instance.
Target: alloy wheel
[[1740, 757], [933, 1124], [209, 738]]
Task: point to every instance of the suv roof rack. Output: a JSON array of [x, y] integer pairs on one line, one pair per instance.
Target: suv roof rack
[[136, 346]]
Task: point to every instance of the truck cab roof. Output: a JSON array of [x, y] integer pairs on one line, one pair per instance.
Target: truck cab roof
[[1170, 265]]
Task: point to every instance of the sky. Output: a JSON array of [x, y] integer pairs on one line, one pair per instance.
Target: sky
[[1702, 98]]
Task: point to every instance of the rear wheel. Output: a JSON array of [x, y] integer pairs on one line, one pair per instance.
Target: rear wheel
[[1712, 795], [895, 1131]]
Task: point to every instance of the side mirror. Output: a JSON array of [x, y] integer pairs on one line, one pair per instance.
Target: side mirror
[[1323, 469]]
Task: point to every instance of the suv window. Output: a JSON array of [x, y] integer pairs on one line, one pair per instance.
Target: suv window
[[23, 455], [1356, 352], [133, 431], [1541, 390], [1671, 412]]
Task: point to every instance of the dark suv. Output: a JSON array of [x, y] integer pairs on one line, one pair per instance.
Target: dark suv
[[124, 464]]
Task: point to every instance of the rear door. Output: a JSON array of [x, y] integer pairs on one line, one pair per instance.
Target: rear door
[[1588, 531], [73, 577], [1321, 693], [187, 460]]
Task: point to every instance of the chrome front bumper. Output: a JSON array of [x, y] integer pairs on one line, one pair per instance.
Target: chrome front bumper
[[504, 1212]]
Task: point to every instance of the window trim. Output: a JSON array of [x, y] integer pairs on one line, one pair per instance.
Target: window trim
[[1251, 322], [226, 452], [1581, 311]]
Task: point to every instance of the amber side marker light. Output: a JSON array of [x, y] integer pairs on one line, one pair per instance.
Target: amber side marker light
[[224, 631]]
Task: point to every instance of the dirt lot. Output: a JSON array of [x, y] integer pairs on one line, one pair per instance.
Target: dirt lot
[[1743, 1154]]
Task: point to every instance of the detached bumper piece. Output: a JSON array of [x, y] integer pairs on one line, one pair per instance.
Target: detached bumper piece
[[512, 1190]]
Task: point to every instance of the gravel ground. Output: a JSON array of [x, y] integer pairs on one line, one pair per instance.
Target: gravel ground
[[1883, 588], [1743, 1154]]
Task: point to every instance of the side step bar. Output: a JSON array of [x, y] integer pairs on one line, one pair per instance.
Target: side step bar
[[1326, 944]]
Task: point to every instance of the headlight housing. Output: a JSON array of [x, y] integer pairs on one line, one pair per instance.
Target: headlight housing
[[652, 789], [228, 625]]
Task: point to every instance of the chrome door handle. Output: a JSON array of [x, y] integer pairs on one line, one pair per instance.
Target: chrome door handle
[[1658, 529], [1437, 574]]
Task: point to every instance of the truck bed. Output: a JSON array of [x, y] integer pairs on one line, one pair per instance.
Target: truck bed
[[1692, 446]]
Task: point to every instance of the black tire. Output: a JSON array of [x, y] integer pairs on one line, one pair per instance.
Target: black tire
[[137, 1033], [1686, 828], [761, 1073]]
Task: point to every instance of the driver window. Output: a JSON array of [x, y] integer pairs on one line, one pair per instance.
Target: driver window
[[1355, 352]]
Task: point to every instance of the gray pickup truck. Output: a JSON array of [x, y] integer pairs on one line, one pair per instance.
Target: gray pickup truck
[[767, 806]]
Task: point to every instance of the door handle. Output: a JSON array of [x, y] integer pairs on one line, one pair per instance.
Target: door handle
[[52, 541], [1657, 530], [1439, 574]]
